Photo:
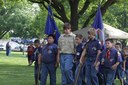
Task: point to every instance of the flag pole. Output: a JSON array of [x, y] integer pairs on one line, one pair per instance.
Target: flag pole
[[50, 1], [99, 2]]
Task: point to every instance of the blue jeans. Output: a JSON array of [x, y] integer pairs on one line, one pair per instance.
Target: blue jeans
[[109, 75], [48, 69], [81, 75], [8, 51], [120, 73], [36, 73], [126, 73], [66, 64], [91, 73]]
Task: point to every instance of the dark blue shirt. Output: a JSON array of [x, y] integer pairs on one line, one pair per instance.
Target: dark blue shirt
[[92, 47], [114, 58], [49, 53], [126, 63], [79, 49], [120, 66], [36, 52]]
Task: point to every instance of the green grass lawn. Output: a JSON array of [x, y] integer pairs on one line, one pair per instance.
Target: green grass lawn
[[14, 70]]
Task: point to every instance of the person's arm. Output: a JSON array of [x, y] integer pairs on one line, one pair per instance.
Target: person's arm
[[97, 65], [115, 65], [40, 55], [118, 56], [39, 59], [58, 55], [124, 64], [99, 57], [57, 58], [59, 49], [98, 53], [82, 58]]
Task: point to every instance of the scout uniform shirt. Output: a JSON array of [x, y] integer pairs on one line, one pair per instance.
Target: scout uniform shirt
[[79, 50], [92, 47], [37, 51], [49, 53], [67, 43], [120, 66], [109, 57]]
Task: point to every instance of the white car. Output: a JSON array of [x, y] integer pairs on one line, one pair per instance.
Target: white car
[[2, 47]]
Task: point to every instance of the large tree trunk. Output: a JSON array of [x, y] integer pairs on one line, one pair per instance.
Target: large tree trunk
[[74, 14]]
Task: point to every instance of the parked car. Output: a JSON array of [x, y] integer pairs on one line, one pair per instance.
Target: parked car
[[18, 48], [2, 47]]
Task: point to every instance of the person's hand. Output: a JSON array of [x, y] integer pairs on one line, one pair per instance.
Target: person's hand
[[95, 64], [123, 69], [97, 68], [39, 62], [114, 67], [57, 64], [81, 63]]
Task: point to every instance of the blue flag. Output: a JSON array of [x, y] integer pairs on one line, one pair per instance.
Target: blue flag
[[98, 25], [50, 27]]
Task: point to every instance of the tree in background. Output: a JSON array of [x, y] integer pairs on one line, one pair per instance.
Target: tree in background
[[76, 11], [17, 19], [117, 15]]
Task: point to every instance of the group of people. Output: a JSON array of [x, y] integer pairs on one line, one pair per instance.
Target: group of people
[[81, 63]]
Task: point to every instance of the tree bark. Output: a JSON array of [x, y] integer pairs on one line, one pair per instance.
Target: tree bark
[[74, 14]]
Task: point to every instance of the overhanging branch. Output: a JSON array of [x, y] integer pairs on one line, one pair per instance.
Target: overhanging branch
[[33, 1], [86, 5], [59, 9], [103, 10]]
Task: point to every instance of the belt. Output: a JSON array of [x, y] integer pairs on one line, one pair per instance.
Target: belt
[[91, 59], [66, 53], [106, 67]]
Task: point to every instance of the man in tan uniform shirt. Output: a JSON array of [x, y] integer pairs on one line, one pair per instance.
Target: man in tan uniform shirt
[[66, 47]]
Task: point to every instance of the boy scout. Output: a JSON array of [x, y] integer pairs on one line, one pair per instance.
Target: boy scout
[[66, 50], [48, 61], [30, 50], [79, 49], [91, 52], [109, 59], [120, 67], [37, 53], [125, 54]]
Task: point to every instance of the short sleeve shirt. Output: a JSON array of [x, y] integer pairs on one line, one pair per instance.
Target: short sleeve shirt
[[92, 47], [49, 53], [114, 57], [79, 50], [66, 43], [37, 51]]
